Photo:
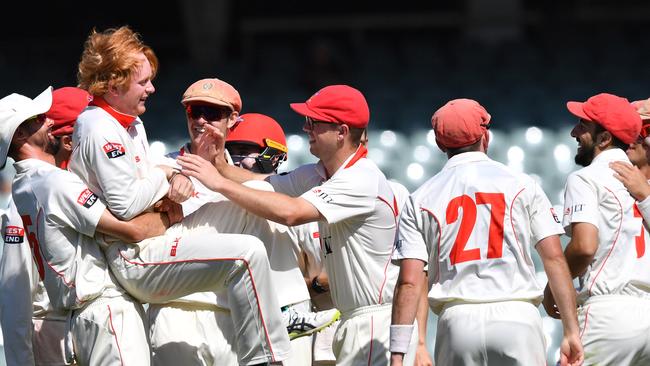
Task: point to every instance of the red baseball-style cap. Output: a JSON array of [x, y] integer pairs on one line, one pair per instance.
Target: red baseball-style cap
[[613, 113], [340, 104], [260, 130], [459, 123], [67, 104]]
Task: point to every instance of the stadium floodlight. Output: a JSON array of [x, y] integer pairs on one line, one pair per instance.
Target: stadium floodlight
[[562, 153], [421, 154], [431, 138], [158, 148], [388, 138], [534, 135], [516, 154], [377, 156], [415, 172], [295, 143]]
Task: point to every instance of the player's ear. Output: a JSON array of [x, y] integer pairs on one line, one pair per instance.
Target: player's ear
[[603, 139], [66, 142], [344, 130], [233, 119]]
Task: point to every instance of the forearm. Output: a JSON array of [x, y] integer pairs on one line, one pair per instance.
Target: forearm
[[272, 206], [142, 227], [407, 292], [577, 260], [559, 281]]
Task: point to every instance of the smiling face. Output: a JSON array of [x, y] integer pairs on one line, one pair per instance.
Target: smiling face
[[131, 99], [198, 114], [585, 133], [323, 137]]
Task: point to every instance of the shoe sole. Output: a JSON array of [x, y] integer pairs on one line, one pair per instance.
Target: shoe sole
[[296, 335]]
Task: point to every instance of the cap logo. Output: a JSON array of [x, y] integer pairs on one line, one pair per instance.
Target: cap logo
[[207, 86]]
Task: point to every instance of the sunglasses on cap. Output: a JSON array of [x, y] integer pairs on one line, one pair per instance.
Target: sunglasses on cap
[[209, 113], [38, 117], [310, 122]]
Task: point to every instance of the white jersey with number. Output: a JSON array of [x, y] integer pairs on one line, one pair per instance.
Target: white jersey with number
[[621, 265], [475, 224], [359, 228], [110, 155], [60, 215]]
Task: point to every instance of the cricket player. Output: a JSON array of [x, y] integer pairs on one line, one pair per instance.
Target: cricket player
[[351, 200], [204, 316], [60, 217], [474, 224], [34, 331], [607, 248], [111, 156]]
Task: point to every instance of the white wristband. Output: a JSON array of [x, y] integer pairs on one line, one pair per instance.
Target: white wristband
[[400, 337]]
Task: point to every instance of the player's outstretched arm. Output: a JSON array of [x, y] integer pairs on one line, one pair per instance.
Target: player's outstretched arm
[[561, 286], [405, 305], [632, 178], [144, 226], [272, 206]]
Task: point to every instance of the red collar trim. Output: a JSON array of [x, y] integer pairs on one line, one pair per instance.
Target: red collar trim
[[124, 119], [362, 152]]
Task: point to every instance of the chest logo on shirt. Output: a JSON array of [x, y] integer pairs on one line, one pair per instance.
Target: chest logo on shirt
[[555, 217], [114, 150], [174, 246], [322, 195], [14, 234], [87, 198]]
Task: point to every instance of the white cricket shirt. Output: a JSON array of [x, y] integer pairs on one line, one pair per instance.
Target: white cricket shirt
[[111, 156], [621, 264], [475, 223], [357, 235], [60, 215]]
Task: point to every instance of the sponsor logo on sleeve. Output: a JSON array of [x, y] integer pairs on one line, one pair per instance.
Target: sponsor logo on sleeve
[[114, 150], [322, 195], [555, 217], [174, 247], [87, 198], [14, 234]]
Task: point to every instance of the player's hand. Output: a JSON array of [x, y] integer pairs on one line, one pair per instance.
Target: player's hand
[[549, 303], [199, 168], [173, 210], [211, 145], [632, 178], [180, 188], [571, 352], [422, 357]]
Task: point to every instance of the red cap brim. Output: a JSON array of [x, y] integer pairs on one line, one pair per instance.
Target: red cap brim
[[576, 109], [304, 110]]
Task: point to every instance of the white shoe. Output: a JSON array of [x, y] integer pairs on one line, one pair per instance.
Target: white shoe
[[301, 324]]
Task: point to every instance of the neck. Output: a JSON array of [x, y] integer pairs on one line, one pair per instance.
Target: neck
[[334, 163], [29, 152]]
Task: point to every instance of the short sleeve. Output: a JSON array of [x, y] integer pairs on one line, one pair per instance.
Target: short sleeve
[[544, 221], [343, 197], [73, 203], [411, 238], [580, 203]]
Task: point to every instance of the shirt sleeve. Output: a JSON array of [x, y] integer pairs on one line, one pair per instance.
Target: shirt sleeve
[[644, 208], [127, 194], [544, 221], [17, 283], [297, 181], [411, 240], [580, 203], [343, 197], [74, 204]]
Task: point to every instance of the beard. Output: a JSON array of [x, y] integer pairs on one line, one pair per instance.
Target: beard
[[53, 146], [585, 155]]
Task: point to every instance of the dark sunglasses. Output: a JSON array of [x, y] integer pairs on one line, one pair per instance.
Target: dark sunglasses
[[209, 113], [38, 117], [310, 122]]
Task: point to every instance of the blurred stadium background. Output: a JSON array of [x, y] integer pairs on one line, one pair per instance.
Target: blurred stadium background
[[521, 59]]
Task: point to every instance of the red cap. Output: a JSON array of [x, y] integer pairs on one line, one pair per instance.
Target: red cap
[[337, 104], [67, 104], [460, 123], [260, 130], [613, 113]]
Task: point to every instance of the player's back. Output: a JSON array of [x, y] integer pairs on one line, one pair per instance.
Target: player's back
[[70, 263], [485, 219]]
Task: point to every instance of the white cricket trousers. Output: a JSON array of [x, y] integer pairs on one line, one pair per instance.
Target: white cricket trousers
[[193, 257], [363, 337], [615, 330], [110, 331], [191, 334], [496, 334]]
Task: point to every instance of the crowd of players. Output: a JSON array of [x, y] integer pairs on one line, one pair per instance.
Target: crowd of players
[[330, 263]]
